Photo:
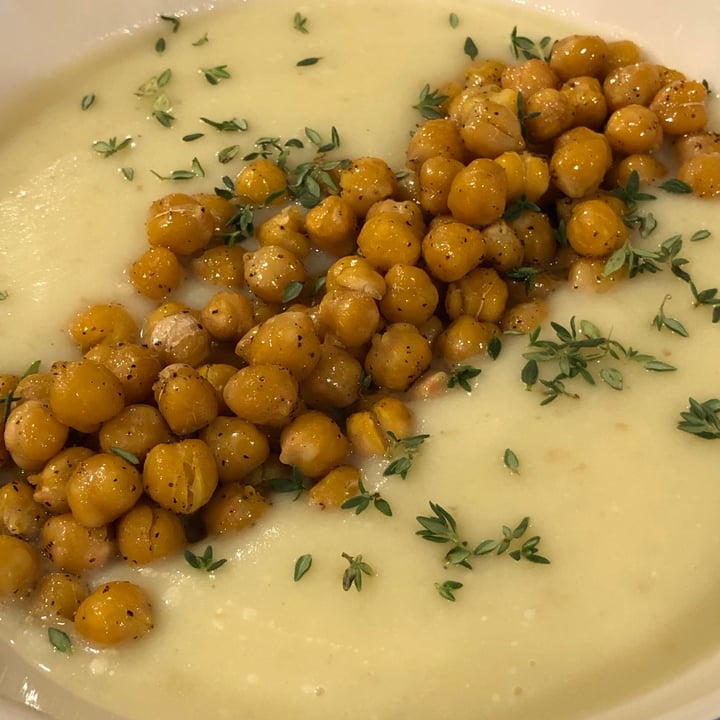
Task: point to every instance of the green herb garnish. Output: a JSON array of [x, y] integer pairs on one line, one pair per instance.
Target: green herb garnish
[[529, 49], [448, 588], [408, 446], [87, 101], [109, 147], [361, 502], [302, 565], [125, 455], [702, 419], [60, 640], [429, 102], [215, 74], [461, 376], [353, 574], [300, 23], [308, 61], [205, 561]]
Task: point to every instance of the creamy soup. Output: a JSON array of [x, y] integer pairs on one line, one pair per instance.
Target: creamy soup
[[625, 505]]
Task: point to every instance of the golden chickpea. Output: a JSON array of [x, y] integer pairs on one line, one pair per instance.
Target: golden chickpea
[[157, 273], [269, 271], [649, 169], [411, 295], [634, 129], [622, 52], [162, 311], [397, 357], [115, 612], [19, 566], [524, 317], [218, 374], [393, 416], [489, 128], [702, 174], [180, 338], [579, 55], [365, 181], [58, 595], [227, 316], [135, 366], [680, 107], [481, 294], [537, 237], [33, 434], [35, 386], [635, 84], [313, 443], [73, 547], [478, 193], [221, 209], [587, 100], [285, 229], [147, 533], [287, 339], [699, 143], [221, 265], [262, 394], [450, 250], [385, 239], [186, 400], [595, 229], [179, 223], [526, 175], [332, 225], [465, 338], [180, 476], [103, 323], [555, 114], [488, 72], [589, 274], [355, 273], [234, 507], [102, 488], [578, 166], [84, 394], [365, 435], [435, 178], [435, 138], [339, 485], [51, 482], [135, 429], [351, 316], [529, 76], [335, 380], [20, 513], [503, 248], [259, 180], [237, 446], [409, 211]]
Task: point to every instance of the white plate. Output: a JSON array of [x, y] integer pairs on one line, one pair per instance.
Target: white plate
[[38, 36]]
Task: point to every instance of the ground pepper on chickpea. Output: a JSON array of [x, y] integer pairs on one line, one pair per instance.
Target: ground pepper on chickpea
[[172, 431]]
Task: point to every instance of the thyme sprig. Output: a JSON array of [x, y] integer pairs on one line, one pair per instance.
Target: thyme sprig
[[632, 196], [661, 320], [702, 418], [205, 561], [300, 23], [196, 170], [353, 574], [408, 447], [529, 49], [461, 376], [295, 483], [109, 147], [215, 74], [429, 103], [362, 502], [447, 589]]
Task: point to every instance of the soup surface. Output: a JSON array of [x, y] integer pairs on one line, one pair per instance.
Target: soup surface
[[626, 505]]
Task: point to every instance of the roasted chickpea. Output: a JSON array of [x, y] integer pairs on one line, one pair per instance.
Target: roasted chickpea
[[135, 366], [332, 225], [355, 273], [595, 229], [699, 143], [269, 271], [33, 434], [589, 274], [702, 174], [114, 612], [365, 435], [537, 237], [135, 429], [680, 107], [186, 400], [489, 128], [481, 294], [84, 394], [503, 249], [162, 311], [550, 113], [649, 169], [227, 316], [385, 239], [20, 513], [435, 138], [529, 76], [285, 229], [435, 178], [451, 250], [19, 566], [35, 386], [221, 209], [524, 317], [635, 84], [179, 223], [579, 55], [58, 595], [488, 72], [313, 443], [147, 533], [465, 338], [103, 323], [180, 476], [397, 357], [579, 162], [526, 175], [478, 193], [262, 179], [73, 547], [365, 181], [411, 295], [51, 482], [634, 129], [408, 211], [221, 265], [180, 338], [157, 273], [234, 507], [335, 381], [587, 100], [339, 485], [262, 394], [393, 416], [237, 446], [218, 374], [102, 488], [351, 316], [622, 52]]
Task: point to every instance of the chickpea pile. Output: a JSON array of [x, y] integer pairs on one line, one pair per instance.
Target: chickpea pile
[[169, 431]]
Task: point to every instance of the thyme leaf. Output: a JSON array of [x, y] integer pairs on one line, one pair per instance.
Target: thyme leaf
[[302, 565], [353, 574], [429, 102], [205, 561]]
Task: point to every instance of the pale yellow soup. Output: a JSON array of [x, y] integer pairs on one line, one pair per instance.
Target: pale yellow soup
[[625, 504]]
